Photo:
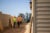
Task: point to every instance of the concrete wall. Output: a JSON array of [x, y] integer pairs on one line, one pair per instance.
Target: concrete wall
[[4, 19]]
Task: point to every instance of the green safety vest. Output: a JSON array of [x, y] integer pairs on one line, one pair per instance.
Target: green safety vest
[[14, 19]]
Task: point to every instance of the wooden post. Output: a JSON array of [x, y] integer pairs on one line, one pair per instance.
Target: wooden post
[[33, 16]]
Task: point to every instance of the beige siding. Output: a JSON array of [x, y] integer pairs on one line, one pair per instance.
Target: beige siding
[[43, 0], [42, 19]]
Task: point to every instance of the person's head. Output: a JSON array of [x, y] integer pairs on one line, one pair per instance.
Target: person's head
[[14, 17], [19, 16]]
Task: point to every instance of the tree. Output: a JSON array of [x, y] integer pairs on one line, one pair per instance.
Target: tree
[[28, 17]]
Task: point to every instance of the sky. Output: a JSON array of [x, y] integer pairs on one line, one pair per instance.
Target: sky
[[14, 7]]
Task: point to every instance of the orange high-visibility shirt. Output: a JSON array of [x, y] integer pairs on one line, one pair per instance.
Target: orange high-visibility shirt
[[19, 19]]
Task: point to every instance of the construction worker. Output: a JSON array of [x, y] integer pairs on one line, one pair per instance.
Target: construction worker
[[14, 20], [19, 20]]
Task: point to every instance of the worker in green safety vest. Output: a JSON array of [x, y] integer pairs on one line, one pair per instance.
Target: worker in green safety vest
[[14, 20]]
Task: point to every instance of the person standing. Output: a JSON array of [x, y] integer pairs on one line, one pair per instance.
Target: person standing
[[19, 20], [14, 20]]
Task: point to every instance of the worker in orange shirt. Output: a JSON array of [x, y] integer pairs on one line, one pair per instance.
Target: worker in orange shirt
[[19, 20]]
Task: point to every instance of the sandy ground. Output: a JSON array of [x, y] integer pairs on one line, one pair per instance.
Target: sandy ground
[[24, 28]]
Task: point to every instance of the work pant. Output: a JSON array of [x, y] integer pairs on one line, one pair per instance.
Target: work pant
[[19, 23], [14, 24]]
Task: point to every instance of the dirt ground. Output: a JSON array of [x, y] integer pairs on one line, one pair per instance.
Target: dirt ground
[[16, 30]]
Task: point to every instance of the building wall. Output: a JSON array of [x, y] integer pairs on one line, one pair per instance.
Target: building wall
[[4, 19], [42, 16]]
